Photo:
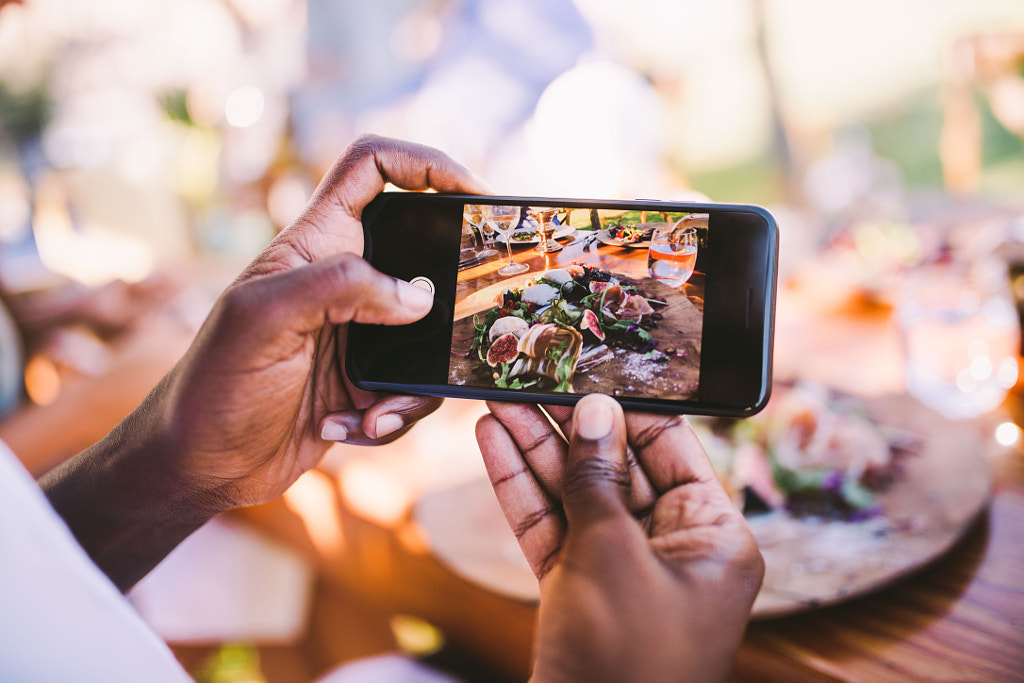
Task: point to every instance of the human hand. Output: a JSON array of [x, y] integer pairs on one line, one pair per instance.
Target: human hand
[[261, 392], [647, 570], [265, 379]]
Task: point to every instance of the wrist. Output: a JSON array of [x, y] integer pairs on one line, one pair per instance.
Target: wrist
[[126, 500]]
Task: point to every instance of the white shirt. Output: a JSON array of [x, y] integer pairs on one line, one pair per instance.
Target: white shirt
[[61, 619]]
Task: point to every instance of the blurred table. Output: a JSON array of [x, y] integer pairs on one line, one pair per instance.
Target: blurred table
[[961, 618]]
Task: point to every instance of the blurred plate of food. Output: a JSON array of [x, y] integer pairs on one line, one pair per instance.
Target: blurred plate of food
[[630, 235], [844, 494], [847, 494], [526, 234]]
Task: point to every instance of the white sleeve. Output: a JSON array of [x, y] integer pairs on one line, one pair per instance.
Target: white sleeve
[[61, 618]]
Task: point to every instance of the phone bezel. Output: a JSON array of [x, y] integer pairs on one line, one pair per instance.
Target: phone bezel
[[753, 340]]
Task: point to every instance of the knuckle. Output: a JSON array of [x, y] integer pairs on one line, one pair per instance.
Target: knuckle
[[241, 301], [647, 436], [353, 274], [365, 145], [591, 472]]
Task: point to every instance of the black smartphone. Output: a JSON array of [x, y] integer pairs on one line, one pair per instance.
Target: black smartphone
[[667, 306]]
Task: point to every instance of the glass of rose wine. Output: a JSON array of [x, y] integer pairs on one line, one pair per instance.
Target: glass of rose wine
[[672, 255]]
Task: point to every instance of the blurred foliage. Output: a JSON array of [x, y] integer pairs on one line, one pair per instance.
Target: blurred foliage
[[757, 181], [175, 107], [907, 135], [234, 663], [24, 113]]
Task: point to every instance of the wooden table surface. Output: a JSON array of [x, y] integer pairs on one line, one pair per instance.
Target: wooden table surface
[[959, 619]]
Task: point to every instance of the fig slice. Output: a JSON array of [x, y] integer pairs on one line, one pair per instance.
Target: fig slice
[[504, 349], [592, 324]]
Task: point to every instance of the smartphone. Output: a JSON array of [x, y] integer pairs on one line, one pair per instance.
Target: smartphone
[[667, 306]]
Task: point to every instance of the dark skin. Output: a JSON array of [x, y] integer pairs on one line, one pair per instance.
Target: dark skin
[[240, 417], [647, 570]]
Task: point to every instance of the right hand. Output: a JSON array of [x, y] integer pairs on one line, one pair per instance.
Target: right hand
[[647, 570]]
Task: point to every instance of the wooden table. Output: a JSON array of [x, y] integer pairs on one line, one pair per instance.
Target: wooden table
[[617, 371], [575, 249], [962, 618]]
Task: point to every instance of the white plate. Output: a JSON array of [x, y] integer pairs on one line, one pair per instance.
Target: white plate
[[605, 236]]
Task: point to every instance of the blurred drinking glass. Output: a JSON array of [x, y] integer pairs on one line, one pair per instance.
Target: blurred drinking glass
[[961, 335], [673, 254]]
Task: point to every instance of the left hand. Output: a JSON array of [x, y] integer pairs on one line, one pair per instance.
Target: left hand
[[261, 393], [265, 379]]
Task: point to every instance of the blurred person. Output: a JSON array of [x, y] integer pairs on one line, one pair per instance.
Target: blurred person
[[260, 396], [94, 353], [462, 75]]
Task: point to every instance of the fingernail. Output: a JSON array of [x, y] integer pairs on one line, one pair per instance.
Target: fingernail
[[388, 423], [594, 418], [414, 297], [332, 431]]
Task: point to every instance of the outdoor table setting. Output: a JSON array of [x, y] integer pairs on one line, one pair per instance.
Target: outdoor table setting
[[624, 294]]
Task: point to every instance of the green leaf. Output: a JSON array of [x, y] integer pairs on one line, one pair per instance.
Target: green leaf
[[857, 495]]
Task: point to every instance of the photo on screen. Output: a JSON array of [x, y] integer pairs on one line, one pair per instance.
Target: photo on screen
[[578, 300]]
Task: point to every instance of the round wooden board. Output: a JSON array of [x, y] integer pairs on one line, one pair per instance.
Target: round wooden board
[[810, 563]]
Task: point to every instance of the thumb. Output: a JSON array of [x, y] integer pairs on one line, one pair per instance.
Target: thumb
[[597, 479], [337, 289]]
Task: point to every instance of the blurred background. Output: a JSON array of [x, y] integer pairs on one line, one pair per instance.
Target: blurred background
[[149, 149], [135, 136]]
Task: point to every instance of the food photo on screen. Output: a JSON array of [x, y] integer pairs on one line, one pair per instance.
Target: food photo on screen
[[580, 300]]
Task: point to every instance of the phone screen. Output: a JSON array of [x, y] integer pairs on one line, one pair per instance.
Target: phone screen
[[616, 306], [547, 300]]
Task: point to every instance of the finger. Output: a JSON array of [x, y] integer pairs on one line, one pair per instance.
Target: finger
[[338, 289], [534, 517], [347, 426], [371, 162], [597, 482], [394, 413], [669, 451], [541, 446], [642, 495], [562, 415]]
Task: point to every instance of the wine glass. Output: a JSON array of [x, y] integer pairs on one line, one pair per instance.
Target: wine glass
[[545, 229], [672, 255], [504, 219], [474, 217]]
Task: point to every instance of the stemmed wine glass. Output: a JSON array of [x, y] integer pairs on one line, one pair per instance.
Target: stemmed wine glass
[[673, 254], [504, 219], [474, 217]]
